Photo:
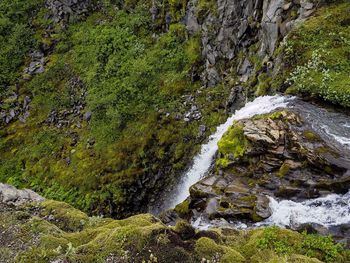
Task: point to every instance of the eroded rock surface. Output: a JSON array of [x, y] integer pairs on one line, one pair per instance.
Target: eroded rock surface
[[285, 158], [230, 27]]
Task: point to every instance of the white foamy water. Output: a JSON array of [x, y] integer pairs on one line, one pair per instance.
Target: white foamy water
[[203, 160], [341, 139], [331, 210], [328, 211]]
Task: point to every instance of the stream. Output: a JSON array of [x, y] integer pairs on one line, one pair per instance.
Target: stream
[[330, 210]]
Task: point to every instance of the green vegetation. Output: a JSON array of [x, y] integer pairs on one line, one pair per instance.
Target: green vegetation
[[133, 81], [273, 116], [51, 231], [311, 136], [206, 6], [284, 169], [317, 55], [232, 145], [16, 37], [287, 242], [183, 208], [208, 249], [263, 84]]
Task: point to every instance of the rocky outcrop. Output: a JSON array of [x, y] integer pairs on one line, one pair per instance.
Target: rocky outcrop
[[231, 27], [74, 114], [65, 11], [11, 195], [284, 158]]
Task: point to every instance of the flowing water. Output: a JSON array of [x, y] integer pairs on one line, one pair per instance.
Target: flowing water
[[330, 210], [203, 160], [330, 125]]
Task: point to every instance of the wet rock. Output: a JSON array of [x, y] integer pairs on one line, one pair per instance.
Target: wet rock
[[312, 228], [169, 217], [280, 161], [262, 208]]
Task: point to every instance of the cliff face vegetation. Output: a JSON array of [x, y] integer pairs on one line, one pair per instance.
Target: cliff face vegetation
[[104, 103], [106, 108]]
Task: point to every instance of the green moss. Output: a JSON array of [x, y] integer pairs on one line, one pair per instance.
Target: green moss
[[68, 218], [184, 229], [284, 169], [263, 84], [208, 249], [206, 6], [183, 208], [177, 8], [277, 115], [311, 136], [281, 241], [232, 143], [39, 238]]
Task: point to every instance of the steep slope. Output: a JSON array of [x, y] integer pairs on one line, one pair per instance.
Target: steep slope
[[116, 96], [106, 113]]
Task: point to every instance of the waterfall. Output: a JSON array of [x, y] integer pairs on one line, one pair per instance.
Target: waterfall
[[203, 160], [330, 210]]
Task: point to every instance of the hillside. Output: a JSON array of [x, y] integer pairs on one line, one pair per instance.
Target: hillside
[[107, 105]]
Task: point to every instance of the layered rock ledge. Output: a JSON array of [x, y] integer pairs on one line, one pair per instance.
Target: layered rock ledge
[[278, 155]]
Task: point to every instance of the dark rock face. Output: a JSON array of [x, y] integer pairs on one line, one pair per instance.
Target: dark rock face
[[235, 26], [65, 11], [286, 159]]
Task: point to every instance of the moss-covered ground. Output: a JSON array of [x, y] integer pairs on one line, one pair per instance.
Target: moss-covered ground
[[48, 231]]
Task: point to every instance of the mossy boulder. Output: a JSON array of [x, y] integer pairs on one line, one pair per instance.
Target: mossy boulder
[[208, 249]]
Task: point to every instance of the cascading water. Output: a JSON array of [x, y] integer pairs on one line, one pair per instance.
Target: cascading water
[[330, 210], [203, 160], [330, 125]]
